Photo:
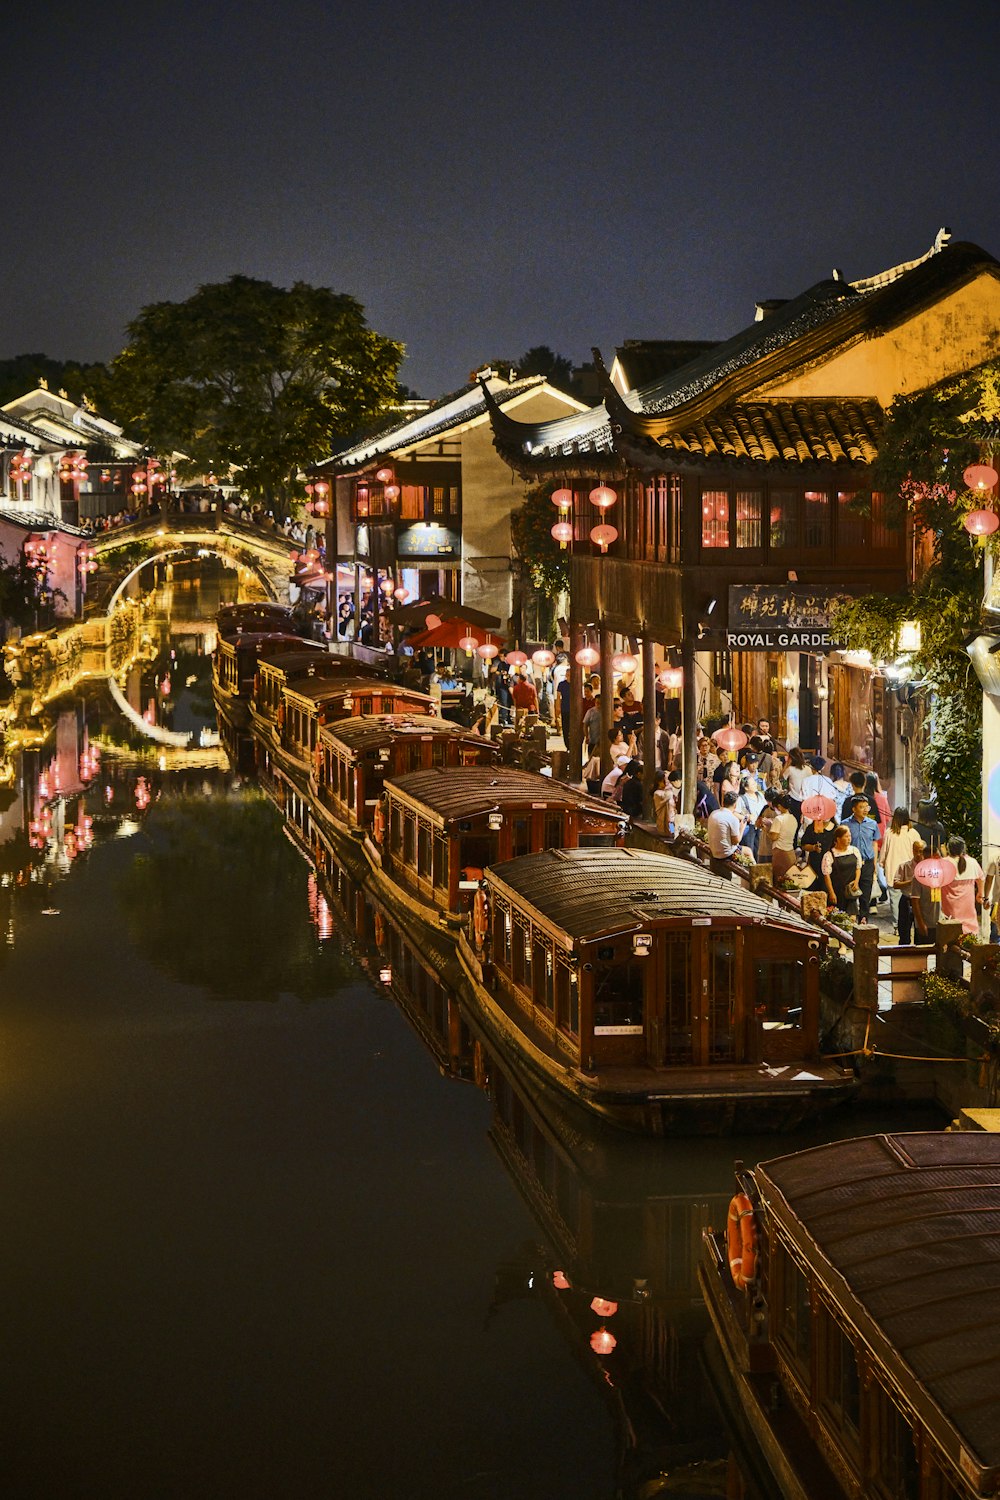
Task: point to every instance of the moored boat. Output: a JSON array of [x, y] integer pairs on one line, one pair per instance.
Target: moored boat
[[651, 992], [236, 660], [307, 704], [856, 1296], [276, 673]]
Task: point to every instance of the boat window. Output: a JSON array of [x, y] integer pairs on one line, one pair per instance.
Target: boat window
[[895, 1472], [840, 1389], [567, 1000], [440, 871], [408, 823], [521, 955], [395, 828], [722, 996], [423, 852], [502, 936], [544, 975], [476, 851], [794, 1330], [553, 833], [779, 985], [677, 983], [619, 998], [520, 836]]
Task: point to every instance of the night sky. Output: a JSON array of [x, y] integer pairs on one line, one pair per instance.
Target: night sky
[[485, 177]]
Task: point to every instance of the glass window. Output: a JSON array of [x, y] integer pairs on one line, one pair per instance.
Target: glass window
[[884, 537], [715, 518], [852, 523], [749, 504], [779, 987], [619, 997], [423, 851], [841, 1387], [520, 836], [816, 519], [896, 1473], [784, 518], [567, 1000], [794, 1316]]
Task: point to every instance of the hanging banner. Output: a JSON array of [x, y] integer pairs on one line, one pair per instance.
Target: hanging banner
[[780, 617]]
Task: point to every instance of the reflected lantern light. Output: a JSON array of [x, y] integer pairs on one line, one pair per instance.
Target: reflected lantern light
[[603, 1307], [602, 1342], [560, 1281]]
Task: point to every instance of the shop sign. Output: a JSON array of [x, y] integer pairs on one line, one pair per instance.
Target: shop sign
[[780, 617], [428, 541]]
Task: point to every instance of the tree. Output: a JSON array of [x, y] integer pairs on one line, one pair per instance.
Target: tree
[[253, 377], [23, 372], [539, 360], [929, 440], [26, 597], [538, 556]]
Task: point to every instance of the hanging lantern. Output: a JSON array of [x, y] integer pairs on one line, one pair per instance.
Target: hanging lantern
[[384, 476], [980, 477], [602, 1342], [563, 498], [560, 1281], [543, 657], [563, 533], [819, 808], [391, 492], [432, 622], [488, 650], [622, 661], [387, 585], [517, 658], [934, 873], [672, 678], [981, 522], [603, 497], [401, 594], [604, 536], [603, 1307], [138, 474], [587, 656], [730, 738], [469, 643]]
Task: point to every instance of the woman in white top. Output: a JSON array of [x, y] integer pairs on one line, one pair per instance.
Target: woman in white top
[[895, 855], [781, 829]]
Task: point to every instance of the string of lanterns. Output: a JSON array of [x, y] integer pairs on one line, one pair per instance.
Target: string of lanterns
[[602, 498], [981, 479]]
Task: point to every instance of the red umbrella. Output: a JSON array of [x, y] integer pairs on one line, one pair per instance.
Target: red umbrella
[[449, 635]]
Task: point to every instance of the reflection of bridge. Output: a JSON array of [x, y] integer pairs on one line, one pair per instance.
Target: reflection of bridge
[[267, 553]]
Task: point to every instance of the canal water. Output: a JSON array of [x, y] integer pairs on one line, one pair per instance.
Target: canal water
[[275, 1223]]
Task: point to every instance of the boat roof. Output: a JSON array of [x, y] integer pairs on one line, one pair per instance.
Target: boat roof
[[452, 792], [904, 1232], [317, 663], [587, 892], [267, 642], [314, 689], [366, 731]]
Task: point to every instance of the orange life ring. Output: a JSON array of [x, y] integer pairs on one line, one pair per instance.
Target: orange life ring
[[480, 917], [741, 1240]]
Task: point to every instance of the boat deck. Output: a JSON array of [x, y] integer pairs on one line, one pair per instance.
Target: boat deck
[[749, 1078]]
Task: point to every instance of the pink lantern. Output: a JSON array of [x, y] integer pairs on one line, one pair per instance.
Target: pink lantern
[[603, 1307], [563, 533], [488, 650], [604, 536], [980, 477], [560, 1281], [516, 658], [384, 476], [432, 622], [587, 656], [321, 487], [730, 738], [391, 492], [603, 497], [401, 594], [672, 678], [563, 498], [387, 585], [981, 522], [623, 661], [602, 1342], [543, 657], [819, 808], [934, 873], [469, 643]]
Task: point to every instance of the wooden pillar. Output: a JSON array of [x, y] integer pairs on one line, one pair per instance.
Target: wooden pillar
[[650, 723], [689, 738], [574, 730], [607, 699]]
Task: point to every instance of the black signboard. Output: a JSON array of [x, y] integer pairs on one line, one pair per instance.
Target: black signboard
[[780, 617]]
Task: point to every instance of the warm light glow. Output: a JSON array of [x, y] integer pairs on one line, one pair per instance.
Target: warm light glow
[[563, 498], [603, 1307], [623, 661], [603, 536], [587, 656], [321, 487], [543, 657], [387, 586], [401, 593], [730, 738], [909, 636], [934, 873], [560, 1281], [602, 1342], [516, 658], [384, 476], [563, 533], [391, 492], [488, 650], [981, 522], [819, 808], [603, 497], [672, 678], [469, 643], [980, 477]]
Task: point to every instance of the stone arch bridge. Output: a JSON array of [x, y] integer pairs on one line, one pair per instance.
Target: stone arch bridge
[[265, 552]]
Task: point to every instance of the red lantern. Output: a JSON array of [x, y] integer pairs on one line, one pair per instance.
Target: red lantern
[[387, 585], [488, 650], [603, 1307], [819, 808], [321, 487], [432, 622], [384, 476], [730, 738], [391, 492], [401, 594], [560, 1281], [980, 477], [934, 873], [543, 657], [672, 677], [604, 536], [563, 498], [563, 533], [587, 656], [603, 497], [623, 661], [516, 658], [602, 1342], [469, 643], [981, 522]]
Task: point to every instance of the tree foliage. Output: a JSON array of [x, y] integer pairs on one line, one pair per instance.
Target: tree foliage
[[930, 438], [21, 373], [539, 557], [27, 599], [253, 377]]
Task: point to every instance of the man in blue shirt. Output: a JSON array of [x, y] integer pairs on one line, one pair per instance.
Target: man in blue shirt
[[864, 838]]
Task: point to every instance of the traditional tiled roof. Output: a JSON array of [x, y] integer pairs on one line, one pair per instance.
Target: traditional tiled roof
[[643, 361], [368, 731], [32, 519], [464, 791], [810, 430]]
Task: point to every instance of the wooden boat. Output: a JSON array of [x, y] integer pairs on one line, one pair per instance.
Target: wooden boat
[[264, 615], [357, 755], [440, 828], [236, 659], [307, 704], [276, 673], [651, 992], [856, 1297]]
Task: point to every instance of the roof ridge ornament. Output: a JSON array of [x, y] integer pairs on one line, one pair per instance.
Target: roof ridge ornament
[[883, 278]]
